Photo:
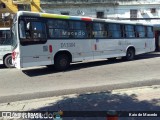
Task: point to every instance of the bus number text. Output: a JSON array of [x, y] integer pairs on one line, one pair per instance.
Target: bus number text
[[67, 45]]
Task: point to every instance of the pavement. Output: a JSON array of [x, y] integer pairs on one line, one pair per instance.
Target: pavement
[[146, 98]]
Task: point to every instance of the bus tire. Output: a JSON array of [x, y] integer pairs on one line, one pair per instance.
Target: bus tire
[[130, 54], [8, 61], [62, 62]]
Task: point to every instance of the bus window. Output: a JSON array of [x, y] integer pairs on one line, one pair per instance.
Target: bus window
[[77, 29], [140, 31], [129, 31], [114, 31], [150, 32], [8, 38], [38, 30], [58, 28], [99, 30], [5, 37], [2, 37], [61, 24]]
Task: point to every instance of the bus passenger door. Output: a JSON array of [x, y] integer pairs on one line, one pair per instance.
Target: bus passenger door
[[106, 48], [122, 45], [95, 48], [109, 41]]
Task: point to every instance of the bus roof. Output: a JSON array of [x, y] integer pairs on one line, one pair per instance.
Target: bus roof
[[4, 28], [81, 18]]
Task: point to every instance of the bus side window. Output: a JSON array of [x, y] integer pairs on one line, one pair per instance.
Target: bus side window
[[99, 30], [5, 37], [57, 28], [140, 31], [150, 32], [114, 30], [77, 29], [8, 38], [129, 31]]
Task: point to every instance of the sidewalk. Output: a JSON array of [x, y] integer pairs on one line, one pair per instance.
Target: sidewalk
[[145, 98]]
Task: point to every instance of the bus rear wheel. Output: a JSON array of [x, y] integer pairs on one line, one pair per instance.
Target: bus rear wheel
[[130, 55], [8, 61], [62, 62]]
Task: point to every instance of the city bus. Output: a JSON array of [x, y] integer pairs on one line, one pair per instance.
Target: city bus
[[5, 47], [50, 39]]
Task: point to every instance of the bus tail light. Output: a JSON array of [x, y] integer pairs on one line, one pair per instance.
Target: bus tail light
[[50, 48], [13, 55]]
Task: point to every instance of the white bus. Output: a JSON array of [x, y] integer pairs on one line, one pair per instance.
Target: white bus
[[5, 47], [51, 39]]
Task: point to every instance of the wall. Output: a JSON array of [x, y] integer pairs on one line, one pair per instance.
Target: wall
[[12, 9]]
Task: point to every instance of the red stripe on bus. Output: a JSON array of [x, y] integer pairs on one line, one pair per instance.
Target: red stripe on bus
[[86, 19]]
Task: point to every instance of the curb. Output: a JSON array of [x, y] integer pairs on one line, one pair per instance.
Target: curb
[[141, 93]]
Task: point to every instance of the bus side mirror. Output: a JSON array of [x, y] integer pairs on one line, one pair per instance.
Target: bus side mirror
[[28, 26]]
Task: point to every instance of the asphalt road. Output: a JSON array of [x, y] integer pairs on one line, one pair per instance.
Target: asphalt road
[[85, 77]]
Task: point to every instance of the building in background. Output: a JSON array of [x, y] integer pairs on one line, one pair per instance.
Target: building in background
[[112, 9], [135, 10], [9, 7]]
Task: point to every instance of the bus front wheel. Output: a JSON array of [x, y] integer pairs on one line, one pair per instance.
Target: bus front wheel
[[8, 61], [130, 55], [62, 62]]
